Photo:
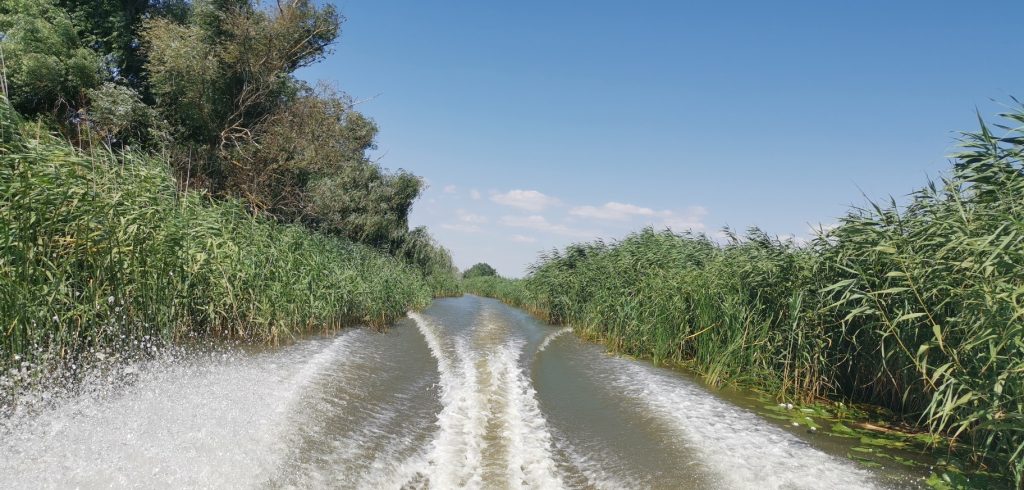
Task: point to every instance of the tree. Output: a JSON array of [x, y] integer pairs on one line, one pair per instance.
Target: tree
[[49, 67], [211, 85], [222, 74], [479, 270], [112, 28], [118, 116]]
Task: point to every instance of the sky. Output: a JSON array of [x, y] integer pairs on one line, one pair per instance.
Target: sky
[[539, 124]]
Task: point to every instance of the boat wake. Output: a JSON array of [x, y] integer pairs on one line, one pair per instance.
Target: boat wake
[[490, 429]]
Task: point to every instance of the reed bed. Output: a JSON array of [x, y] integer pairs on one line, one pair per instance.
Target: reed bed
[[916, 308], [96, 245]]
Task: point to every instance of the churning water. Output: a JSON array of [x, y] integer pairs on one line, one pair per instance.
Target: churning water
[[470, 393]]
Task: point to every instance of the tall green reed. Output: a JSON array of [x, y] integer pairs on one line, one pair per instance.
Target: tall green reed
[[98, 245]]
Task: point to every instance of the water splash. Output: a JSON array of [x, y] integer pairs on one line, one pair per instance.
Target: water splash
[[552, 336], [445, 401], [211, 421], [745, 451], [481, 390]]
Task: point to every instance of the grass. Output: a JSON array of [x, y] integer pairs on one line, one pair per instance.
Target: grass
[[98, 245], [916, 308]]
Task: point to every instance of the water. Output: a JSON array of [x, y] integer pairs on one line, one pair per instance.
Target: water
[[470, 393]]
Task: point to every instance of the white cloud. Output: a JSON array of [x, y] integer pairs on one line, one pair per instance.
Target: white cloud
[[813, 231], [540, 223], [474, 194], [461, 227], [468, 217], [616, 211], [523, 239], [525, 199], [450, 189], [690, 219]]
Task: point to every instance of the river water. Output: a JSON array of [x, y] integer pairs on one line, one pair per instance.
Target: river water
[[469, 393]]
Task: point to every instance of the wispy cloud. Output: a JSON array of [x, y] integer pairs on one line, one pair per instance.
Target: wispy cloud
[[540, 223], [450, 189], [616, 211], [525, 199], [523, 239], [467, 217], [692, 218], [474, 194], [461, 227]]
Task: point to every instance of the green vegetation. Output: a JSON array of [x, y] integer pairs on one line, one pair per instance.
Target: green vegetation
[[917, 309], [209, 85], [479, 270], [99, 245], [165, 173]]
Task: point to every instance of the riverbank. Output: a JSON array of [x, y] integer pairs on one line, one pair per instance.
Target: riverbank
[[98, 246], [916, 309], [870, 434]]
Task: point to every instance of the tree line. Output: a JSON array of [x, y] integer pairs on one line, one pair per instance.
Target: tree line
[[211, 86]]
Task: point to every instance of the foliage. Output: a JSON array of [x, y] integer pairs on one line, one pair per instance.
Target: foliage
[[111, 27], [246, 128], [940, 288], [210, 85], [118, 117], [479, 270], [917, 309], [420, 249], [98, 245], [225, 71], [48, 67]]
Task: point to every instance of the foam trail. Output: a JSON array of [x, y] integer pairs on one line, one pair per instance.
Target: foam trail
[[743, 449], [552, 336], [358, 418], [479, 389], [592, 468], [455, 458], [530, 463]]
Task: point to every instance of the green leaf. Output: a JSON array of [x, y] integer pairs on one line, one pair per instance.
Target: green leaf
[[909, 316]]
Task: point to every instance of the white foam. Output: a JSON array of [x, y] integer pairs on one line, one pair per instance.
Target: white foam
[[592, 466], [345, 430], [530, 463], [204, 423], [744, 450], [455, 458], [552, 336]]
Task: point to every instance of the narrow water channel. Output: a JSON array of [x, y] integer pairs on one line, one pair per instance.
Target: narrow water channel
[[469, 393]]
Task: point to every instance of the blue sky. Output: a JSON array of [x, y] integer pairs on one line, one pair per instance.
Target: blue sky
[[537, 124]]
